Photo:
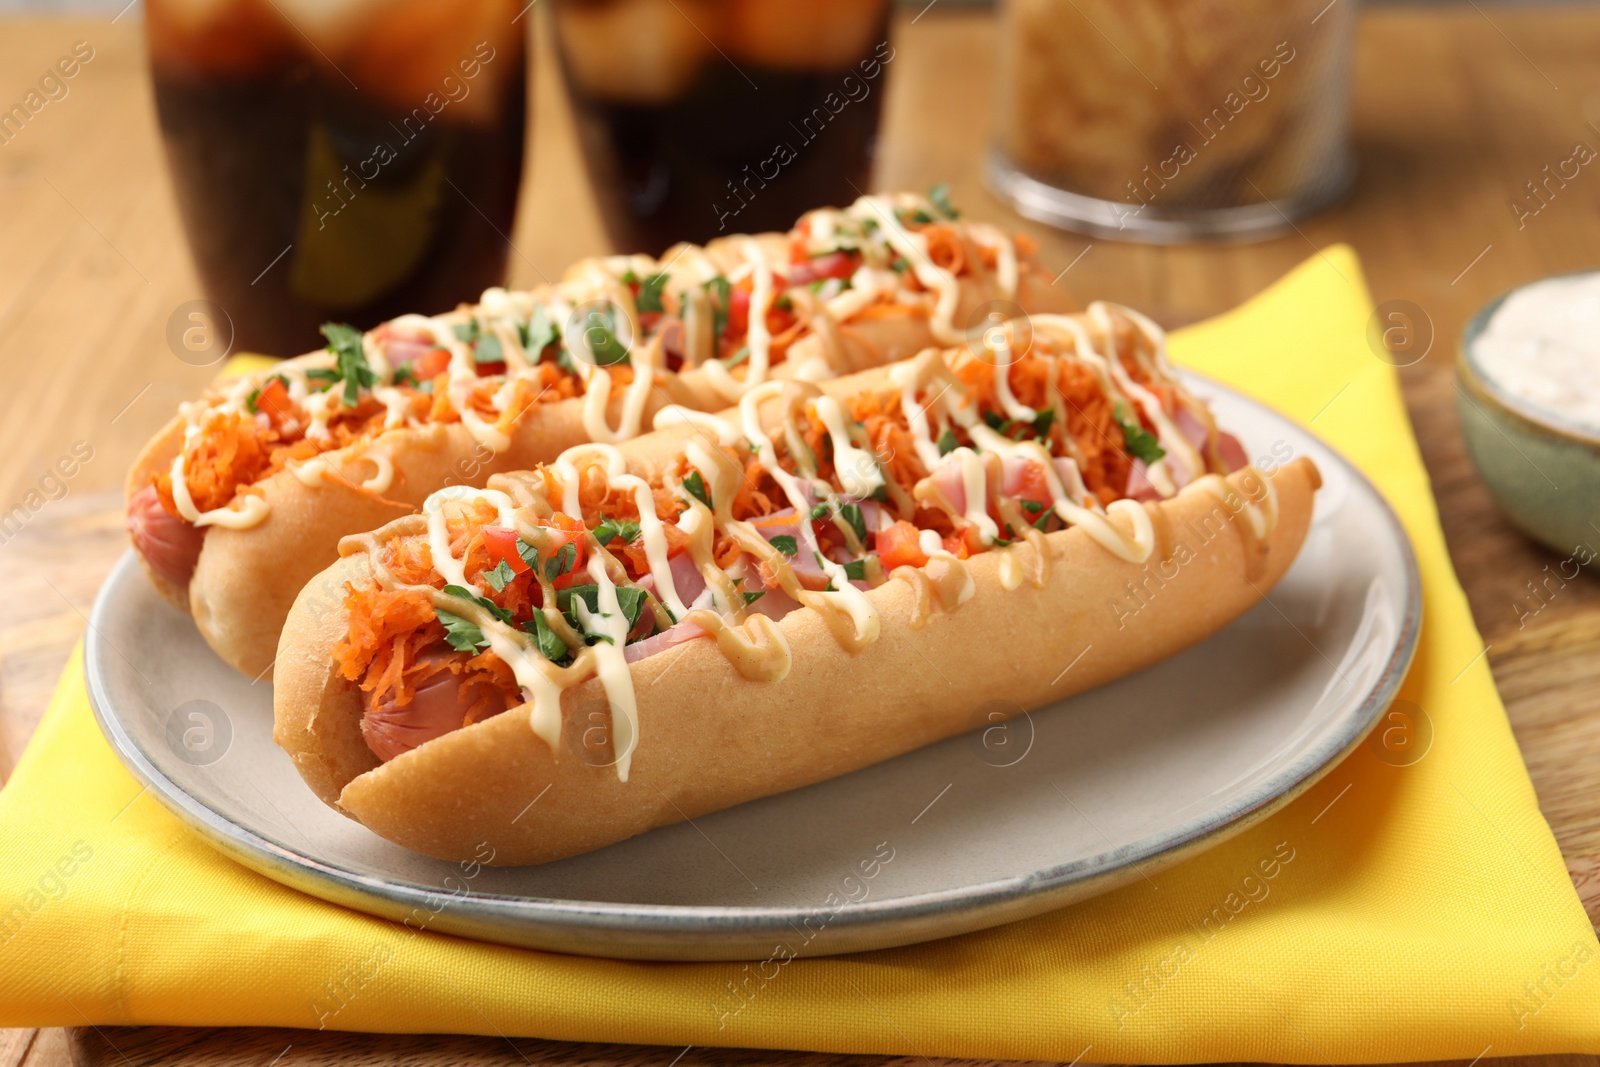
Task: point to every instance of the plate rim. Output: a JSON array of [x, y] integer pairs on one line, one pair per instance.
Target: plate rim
[[617, 930]]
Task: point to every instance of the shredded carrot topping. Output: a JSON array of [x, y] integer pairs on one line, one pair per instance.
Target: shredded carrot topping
[[945, 247]]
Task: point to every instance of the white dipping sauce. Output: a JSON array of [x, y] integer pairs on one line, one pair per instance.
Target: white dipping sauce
[[1543, 346]]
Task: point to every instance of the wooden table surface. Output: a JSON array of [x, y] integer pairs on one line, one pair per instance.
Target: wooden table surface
[[1454, 111]]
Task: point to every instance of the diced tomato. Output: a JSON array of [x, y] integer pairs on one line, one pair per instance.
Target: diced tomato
[[672, 344], [830, 265], [273, 400], [430, 364], [564, 531], [900, 546], [964, 543], [1034, 485], [779, 320], [501, 543], [738, 313]]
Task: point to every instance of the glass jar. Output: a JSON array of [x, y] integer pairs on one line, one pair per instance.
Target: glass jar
[[1172, 120]]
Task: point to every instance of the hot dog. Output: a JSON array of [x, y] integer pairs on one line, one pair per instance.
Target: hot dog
[[761, 600], [244, 495]]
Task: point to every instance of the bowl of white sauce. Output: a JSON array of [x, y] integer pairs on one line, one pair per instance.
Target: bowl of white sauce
[[1529, 401]]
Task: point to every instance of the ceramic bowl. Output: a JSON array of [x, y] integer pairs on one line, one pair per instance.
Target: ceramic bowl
[[1542, 469]]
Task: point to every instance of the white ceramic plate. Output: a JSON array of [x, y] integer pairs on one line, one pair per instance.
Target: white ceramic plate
[[1001, 824]]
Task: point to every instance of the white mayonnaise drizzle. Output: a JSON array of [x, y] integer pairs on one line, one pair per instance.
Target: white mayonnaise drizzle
[[718, 609], [444, 561], [758, 337], [852, 600], [611, 664], [943, 284], [857, 468], [501, 314], [678, 415]]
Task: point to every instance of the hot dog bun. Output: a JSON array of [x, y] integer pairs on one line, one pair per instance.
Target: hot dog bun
[[245, 580], [714, 739], [238, 583]]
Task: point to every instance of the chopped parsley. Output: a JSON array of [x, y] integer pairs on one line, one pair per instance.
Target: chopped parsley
[[939, 196], [695, 486], [529, 554], [345, 343], [722, 291], [608, 529], [649, 295], [856, 569], [466, 332], [1141, 443], [948, 442], [562, 562], [539, 334], [819, 512], [785, 544], [851, 513], [483, 602], [461, 634], [487, 350], [600, 335], [1032, 507], [501, 576], [406, 376], [1040, 423], [550, 644], [630, 598]]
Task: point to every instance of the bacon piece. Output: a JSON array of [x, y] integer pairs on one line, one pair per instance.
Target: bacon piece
[[1231, 452], [1139, 487], [668, 638], [1229, 449], [402, 351], [947, 479]]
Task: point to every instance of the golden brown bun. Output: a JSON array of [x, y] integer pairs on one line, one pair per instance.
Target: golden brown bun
[[709, 739], [246, 579]]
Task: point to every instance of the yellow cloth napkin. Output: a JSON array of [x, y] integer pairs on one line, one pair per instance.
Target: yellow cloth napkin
[[1416, 913]]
